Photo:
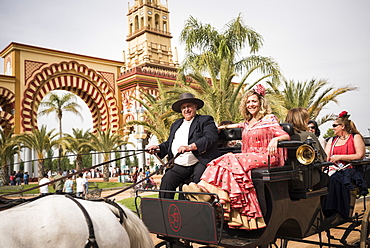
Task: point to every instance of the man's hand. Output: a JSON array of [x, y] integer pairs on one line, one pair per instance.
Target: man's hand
[[153, 149], [188, 148]]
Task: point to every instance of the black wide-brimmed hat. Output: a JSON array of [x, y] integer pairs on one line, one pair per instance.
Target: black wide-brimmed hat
[[184, 98]]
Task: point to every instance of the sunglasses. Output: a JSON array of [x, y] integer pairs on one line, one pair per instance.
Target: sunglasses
[[335, 125], [311, 127]]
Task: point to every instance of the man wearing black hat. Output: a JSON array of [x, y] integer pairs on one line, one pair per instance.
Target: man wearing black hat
[[194, 137]]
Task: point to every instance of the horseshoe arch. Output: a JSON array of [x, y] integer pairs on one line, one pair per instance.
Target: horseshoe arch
[[78, 79]]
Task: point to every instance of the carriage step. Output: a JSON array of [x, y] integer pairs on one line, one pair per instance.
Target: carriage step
[[237, 241]]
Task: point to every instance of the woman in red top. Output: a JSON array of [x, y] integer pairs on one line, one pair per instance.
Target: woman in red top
[[347, 145]]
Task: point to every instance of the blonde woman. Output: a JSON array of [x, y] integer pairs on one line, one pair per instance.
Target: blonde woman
[[229, 176]]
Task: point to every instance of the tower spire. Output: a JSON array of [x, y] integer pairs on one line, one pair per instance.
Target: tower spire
[[149, 37]]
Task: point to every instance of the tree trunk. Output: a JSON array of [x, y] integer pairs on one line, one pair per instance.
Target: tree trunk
[[60, 137], [106, 167], [78, 162], [5, 174], [106, 172], [40, 168]]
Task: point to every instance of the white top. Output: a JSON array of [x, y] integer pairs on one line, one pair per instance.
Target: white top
[[86, 175], [80, 182], [44, 189], [181, 139]]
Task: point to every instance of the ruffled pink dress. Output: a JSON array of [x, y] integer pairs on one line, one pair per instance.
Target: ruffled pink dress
[[229, 176]]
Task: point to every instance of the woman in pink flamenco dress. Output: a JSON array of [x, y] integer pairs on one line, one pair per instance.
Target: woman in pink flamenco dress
[[229, 176]]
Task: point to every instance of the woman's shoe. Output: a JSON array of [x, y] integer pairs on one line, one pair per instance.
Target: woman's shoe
[[192, 187]]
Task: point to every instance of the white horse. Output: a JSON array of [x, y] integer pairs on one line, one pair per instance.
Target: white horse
[[56, 221]]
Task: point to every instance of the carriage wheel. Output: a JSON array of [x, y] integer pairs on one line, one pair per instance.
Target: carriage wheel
[[365, 230]]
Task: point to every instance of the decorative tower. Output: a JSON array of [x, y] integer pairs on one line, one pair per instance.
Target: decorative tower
[[149, 58], [149, 37]]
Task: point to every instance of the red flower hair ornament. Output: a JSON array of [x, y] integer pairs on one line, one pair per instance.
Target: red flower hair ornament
[[344, 114], [260, 90]]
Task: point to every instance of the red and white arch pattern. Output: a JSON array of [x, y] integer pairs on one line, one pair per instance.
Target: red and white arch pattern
[[6, 97], [79, 79], [7, 100], [6, 120]]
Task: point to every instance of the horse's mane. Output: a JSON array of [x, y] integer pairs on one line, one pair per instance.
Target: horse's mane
[[135, 228]]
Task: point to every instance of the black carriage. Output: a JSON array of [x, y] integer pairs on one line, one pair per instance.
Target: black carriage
[[289, 199]]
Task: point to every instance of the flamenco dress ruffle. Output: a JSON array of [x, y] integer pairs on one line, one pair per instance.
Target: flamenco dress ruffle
[[229, 176]]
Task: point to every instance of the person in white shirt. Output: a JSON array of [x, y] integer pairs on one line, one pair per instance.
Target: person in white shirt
[[194, 137], [44, 190], [86, 176], [80, 186]]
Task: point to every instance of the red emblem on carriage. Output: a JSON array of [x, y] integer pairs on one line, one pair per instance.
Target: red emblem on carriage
[[174, 217]]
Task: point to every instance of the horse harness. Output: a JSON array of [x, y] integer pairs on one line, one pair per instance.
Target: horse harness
[[91, 241]]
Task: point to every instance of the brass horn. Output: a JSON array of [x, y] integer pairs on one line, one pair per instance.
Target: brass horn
[[305, 154]]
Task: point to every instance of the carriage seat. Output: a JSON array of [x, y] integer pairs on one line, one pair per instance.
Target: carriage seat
[[304, 180], [230, 134], [282, 172], [265, 173]]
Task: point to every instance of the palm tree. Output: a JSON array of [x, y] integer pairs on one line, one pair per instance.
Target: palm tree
[[214, 59], [8, 148], [59, 104], [158, 115], [313, 95], [79, 143], [107, 142], [41, 142]]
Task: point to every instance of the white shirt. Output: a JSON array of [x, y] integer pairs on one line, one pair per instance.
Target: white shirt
[[80, 182], [86, 175], [181, 139], [44, 189]]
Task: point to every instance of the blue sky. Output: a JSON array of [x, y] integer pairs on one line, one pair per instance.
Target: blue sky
[[309, 39]]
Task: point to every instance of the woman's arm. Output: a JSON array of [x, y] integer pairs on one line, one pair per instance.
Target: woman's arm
[[235, 125], [359, 151], [272, 147]]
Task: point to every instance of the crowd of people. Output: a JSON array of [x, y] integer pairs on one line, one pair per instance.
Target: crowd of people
[[16, 178], [70, 185], [78, 184]]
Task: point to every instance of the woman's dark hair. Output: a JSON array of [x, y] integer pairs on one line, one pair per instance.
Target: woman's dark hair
[[317, 130]]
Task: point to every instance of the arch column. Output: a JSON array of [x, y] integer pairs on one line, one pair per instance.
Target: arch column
[[141, 142], [27, 157], [17, 165], [35, 165]]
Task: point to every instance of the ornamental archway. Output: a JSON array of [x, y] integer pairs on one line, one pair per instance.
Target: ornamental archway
[[77, 78], [7, 100]]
